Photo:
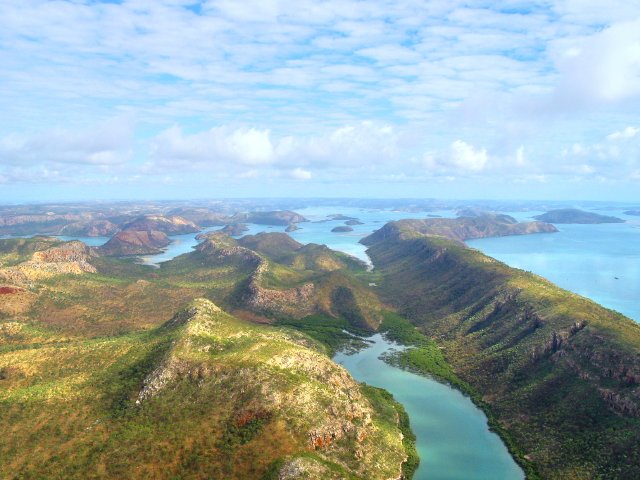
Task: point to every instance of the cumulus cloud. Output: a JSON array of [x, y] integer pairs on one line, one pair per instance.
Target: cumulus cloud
[[625, 134], [467, 157], [359, 145], [246, 146]]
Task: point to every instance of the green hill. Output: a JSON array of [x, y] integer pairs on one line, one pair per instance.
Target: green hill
[[559, 374], [203, 396]]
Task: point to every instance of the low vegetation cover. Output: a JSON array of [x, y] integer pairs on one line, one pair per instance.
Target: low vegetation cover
[[557, 374], [98, 375]]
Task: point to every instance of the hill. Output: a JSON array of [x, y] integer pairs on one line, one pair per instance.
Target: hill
[[573, 215], [135, 242], [204, 395], [458, 229], [171, 225], [559, 374]]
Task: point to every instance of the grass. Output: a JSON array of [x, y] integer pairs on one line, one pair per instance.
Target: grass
[[494, 326]]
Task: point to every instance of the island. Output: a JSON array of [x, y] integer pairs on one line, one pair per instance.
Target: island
[[574, 215], [633, 213], [460, 229], [342, 229]]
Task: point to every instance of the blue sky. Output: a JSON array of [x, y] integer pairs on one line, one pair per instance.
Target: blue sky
[[452, 99]]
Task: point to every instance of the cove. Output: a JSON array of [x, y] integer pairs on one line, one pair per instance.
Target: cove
[[453, 438]]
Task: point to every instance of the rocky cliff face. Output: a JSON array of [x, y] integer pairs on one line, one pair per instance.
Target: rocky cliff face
[[68, 258]]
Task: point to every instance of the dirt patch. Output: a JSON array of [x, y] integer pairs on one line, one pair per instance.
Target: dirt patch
[[10, 290]]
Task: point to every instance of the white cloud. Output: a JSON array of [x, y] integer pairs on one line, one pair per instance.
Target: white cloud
[[246, 146], [467, 157], [603, 67], [625, 134], [300, 174]]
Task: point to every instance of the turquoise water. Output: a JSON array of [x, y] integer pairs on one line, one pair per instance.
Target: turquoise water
[[600, 262], [453, 439]]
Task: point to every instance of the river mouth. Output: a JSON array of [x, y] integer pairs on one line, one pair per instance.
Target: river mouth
[[452, 435]]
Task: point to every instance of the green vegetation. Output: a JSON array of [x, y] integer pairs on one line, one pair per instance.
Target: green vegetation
[[556, 373], [224, 398]]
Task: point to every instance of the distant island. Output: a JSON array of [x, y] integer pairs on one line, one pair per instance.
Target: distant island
[[459, 229], [633, 213], [573, 215], [342, 228]]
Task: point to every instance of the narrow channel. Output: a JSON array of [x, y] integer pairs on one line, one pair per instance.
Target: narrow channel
[[453, 438]]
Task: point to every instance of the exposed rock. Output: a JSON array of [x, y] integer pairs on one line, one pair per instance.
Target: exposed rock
[[323, 408], [292, 228], [68, 258]]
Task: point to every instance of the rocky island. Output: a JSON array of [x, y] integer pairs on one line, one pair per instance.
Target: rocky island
[[573, 215]]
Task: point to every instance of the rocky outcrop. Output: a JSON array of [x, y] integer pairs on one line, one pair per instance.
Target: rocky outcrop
[[134, 242], [281, 380], [295, 302], [67, 258]]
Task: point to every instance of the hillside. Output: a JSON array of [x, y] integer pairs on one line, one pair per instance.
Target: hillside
[[573, 215], [203, 396], [135, 242], [458, 229], [559, 373], [170, 225]]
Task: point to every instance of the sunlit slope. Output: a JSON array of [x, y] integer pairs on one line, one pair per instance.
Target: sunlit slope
[[203, 396], [561, 373]]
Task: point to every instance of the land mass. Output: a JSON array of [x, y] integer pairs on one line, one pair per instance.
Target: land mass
[[342, 228], [459, 229], [558, 374], [96, 377], [573, 215]]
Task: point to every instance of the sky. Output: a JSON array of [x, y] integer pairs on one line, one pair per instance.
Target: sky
[[165, 99]]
